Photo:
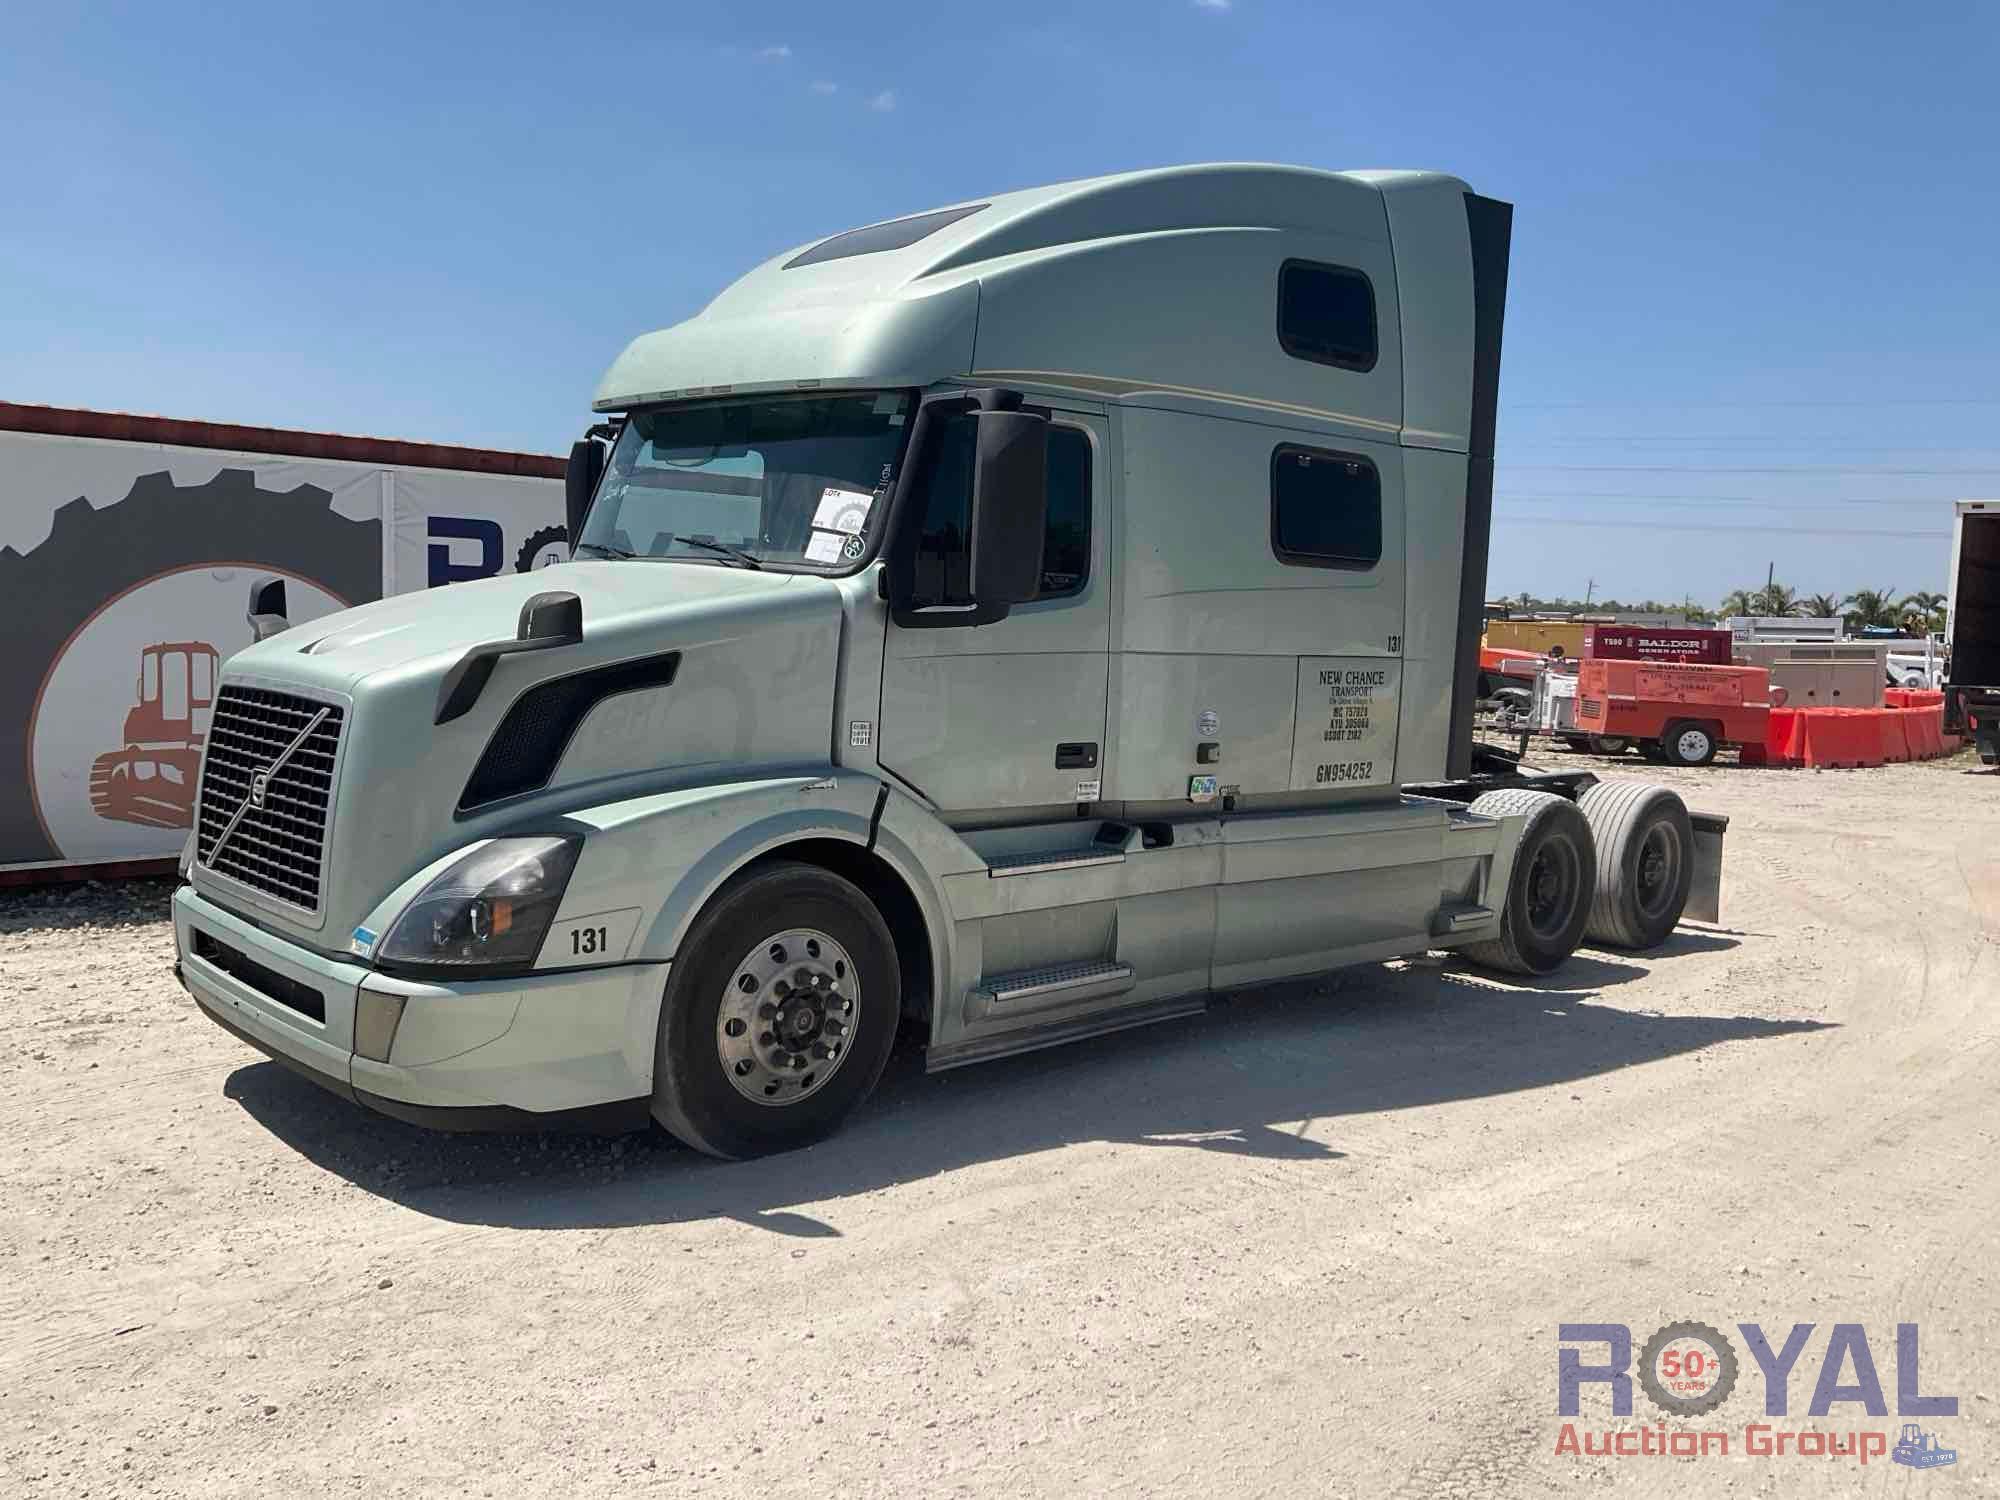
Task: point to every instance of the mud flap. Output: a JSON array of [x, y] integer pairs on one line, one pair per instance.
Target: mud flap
[[1704, 901]]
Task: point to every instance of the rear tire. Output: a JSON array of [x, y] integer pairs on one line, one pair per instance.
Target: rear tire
[[1609, 744], [1549, 888], [714, 1064], [1688, 744], [1645, 862]]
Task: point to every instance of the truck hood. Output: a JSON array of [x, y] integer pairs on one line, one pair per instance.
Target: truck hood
[[739, 671], [432, 629]]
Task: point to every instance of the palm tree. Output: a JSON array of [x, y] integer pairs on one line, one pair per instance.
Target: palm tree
[[1820, 606], [1870, 607], [1929, 606], [1740, 602], [1777, 599]]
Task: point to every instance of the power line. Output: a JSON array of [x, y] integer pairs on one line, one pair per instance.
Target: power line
[[1722, 444], [1862, 469], [1900, 534], [1759, 405], [1750, 502]]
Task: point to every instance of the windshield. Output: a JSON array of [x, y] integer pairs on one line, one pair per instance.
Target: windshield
[[796, 481]]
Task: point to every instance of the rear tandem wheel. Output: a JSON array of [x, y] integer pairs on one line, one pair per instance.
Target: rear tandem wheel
[[1548, 891]]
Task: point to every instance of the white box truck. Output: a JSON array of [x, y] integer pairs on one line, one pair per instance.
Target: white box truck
[[1972, 628], [1012, 622]]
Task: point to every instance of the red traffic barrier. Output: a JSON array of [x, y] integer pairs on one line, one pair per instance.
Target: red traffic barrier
[[1839, 737], [1925, 728], [1895, 737], [1780, 732]]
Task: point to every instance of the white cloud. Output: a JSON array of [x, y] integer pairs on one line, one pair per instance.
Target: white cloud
[[1212, 4], [883, 102], [821, 86], [774, 54]]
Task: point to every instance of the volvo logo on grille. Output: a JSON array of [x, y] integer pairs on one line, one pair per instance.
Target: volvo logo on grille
[[260, 784]]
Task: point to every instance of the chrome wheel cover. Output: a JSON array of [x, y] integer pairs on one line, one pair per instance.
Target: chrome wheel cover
[[788, 1016]]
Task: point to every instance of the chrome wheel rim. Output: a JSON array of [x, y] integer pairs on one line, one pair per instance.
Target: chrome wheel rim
[[788, 1016]]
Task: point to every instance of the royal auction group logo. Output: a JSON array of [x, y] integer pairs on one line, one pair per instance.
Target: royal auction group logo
[[1688, 1369]]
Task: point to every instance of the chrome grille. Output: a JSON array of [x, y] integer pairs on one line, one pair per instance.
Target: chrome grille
[[280, 847]]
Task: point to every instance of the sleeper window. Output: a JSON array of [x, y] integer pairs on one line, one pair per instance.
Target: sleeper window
[[1326, 509], [1326, 314]]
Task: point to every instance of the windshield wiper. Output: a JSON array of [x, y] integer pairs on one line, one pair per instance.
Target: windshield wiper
[[607, 550], [724, 548]]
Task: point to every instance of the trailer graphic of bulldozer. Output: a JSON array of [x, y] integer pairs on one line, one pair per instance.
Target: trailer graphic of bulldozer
[[1920, 1450], [151, 779]]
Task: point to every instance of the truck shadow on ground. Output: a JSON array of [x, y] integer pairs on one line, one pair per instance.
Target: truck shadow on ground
[[1237, 1080]]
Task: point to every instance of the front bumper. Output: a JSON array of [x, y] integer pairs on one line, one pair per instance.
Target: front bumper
[[557, 1051]]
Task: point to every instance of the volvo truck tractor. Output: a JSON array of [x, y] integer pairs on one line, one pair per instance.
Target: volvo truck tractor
[[1010, 623]]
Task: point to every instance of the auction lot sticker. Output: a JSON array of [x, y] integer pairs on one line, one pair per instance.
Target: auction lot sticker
[[1345, 732]]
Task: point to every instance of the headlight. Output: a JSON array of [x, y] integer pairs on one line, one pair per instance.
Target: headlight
[[490, 910]]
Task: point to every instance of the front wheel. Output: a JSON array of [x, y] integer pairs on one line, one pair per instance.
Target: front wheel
[[780, 1012], [1549, 889], [1610, 744]]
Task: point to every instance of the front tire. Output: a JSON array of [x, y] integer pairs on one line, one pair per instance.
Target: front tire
[[1549, 888], [779, 1015], [1610, 744]]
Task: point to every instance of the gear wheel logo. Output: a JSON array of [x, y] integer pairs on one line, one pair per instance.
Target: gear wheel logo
[[543, 549], [1688, 1368]]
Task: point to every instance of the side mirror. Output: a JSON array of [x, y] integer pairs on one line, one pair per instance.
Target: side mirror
[[266, 614], [1010, 504], [586, 467]]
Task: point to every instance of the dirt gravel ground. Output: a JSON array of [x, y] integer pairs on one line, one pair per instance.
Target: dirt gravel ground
[[1317, 1242]]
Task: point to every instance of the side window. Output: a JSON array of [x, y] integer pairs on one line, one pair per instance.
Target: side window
[[1326, 314], [1066, 545], [944, 563], [1326, 509]]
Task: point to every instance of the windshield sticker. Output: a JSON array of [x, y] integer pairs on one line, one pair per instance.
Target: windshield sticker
[[843, 510], [824, 547]]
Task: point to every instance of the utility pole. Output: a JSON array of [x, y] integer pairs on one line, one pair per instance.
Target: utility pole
[[1589, 588]]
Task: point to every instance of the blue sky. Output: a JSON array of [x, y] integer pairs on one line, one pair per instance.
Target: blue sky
[[1754, 314]]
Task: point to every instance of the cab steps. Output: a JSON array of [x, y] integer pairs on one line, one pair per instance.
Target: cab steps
[[1039, 861], [1054, 1033], [1064, 982]]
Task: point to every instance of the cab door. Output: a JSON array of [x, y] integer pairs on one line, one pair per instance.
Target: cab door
[[1006, 721]]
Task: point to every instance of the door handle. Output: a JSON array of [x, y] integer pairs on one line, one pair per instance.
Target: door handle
[[1076, 755]]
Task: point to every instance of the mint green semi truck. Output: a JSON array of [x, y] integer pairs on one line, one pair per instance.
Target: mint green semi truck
[[1001, 625]]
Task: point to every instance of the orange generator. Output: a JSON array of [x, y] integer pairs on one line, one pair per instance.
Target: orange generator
[[1682, 712]]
